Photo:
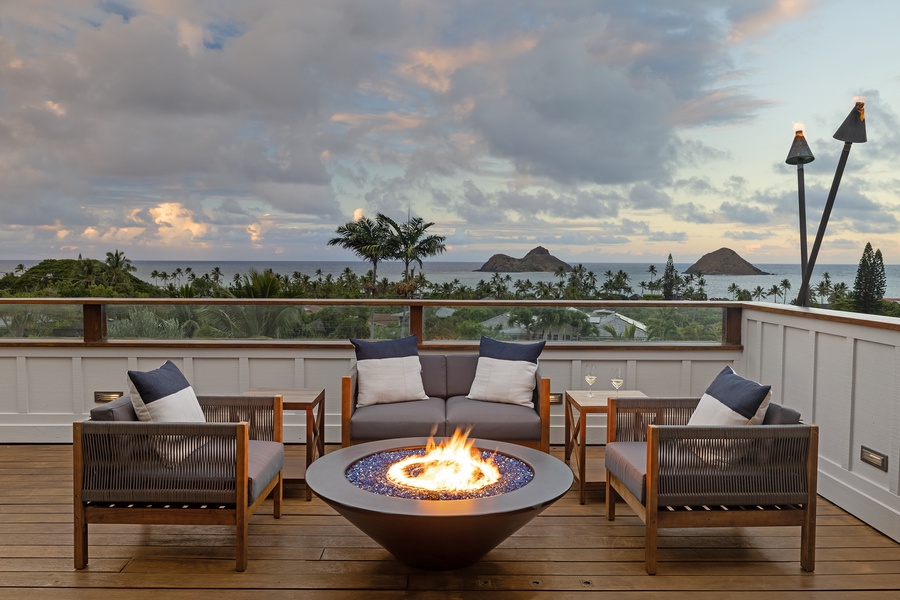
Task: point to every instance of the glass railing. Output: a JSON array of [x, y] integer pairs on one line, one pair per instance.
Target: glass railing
[[311, 320]]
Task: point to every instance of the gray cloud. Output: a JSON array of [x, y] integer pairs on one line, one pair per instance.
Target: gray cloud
[[282, 117], [743, 213]]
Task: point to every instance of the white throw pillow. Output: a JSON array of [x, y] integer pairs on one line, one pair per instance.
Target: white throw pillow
[[732, 400], [388, 371], [506, 372], [164, 395], [387, 380], [508, 381]]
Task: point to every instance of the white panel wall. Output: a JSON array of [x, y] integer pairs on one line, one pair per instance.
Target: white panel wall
[[844, 377]]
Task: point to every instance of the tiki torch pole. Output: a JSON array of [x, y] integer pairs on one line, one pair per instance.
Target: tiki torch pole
[[852, 130], [799, 155]]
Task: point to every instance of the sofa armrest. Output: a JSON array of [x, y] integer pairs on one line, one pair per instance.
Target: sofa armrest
[[264, 414], [541, 399], [161, 462], [348, 403]]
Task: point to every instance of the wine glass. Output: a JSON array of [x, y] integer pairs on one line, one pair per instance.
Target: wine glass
[[617, 380], [590, 376]]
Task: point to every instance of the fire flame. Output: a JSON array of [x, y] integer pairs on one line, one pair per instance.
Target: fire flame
[[452, 466]]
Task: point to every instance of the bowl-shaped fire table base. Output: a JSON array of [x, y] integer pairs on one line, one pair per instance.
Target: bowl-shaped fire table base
[[438, 534]]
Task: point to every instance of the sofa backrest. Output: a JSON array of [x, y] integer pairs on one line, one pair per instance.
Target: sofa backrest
[[445, 376], [119, 409], [460, 373]]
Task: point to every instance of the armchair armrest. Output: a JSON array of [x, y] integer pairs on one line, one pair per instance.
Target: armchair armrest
[[264, 414], [161, 462], [731, 465]]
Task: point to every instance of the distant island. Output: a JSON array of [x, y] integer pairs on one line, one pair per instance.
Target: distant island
[[537, 260], [723, 261]]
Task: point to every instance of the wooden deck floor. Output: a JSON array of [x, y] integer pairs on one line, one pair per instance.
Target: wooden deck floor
[[311, 552]]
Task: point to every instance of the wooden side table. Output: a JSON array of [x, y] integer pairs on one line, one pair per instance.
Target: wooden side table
[[313, 403], [577, 406]]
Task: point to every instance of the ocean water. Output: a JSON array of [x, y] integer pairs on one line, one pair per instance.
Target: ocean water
[[446, 271]]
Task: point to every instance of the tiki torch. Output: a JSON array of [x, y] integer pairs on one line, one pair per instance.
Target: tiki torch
[[799, 155], [852, 130]]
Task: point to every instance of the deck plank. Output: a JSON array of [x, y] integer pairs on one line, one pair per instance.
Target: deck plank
[[313, 552]]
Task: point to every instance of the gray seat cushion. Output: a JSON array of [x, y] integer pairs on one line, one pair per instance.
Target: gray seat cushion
[[264, 461], [628, 462], [417, 418], [493, 420]]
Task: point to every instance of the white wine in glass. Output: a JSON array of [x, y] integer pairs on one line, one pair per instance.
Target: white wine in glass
[[617, 380], [590, 376]]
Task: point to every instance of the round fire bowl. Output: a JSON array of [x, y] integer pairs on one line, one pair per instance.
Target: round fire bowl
[[438, 534]]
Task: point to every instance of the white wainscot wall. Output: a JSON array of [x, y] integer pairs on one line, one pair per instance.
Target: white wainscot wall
[[844, 377]]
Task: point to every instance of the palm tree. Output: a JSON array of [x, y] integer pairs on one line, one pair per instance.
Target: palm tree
[[785, 286], [411, 243], [367, 239], [560, 273], [652, 270], [774, 291], [118, 266], [758, 293], [733, 289], [824, 288]]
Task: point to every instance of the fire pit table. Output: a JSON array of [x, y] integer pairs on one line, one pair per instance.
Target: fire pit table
[[433, 532]]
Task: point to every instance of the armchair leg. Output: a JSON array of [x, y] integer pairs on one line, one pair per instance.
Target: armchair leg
[[278, 495], [650, 541], [808, 540], [81, 540], [610, 499], [241, 546]]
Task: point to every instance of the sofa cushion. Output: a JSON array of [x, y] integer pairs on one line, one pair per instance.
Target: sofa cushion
[[492, 420], [506, 372], [628, 462], [460, 373], [418, 418], [434, 375], [389, 371], [781, 415], [732, 400], [164, 395]]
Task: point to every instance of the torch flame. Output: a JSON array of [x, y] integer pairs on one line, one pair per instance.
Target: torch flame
[[452, 466]]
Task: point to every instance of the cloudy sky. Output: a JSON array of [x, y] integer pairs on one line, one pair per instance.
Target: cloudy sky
[[602, 130]]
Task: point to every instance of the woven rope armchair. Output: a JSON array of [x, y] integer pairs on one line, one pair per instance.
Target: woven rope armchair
[[673, 475], [213, 473]]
